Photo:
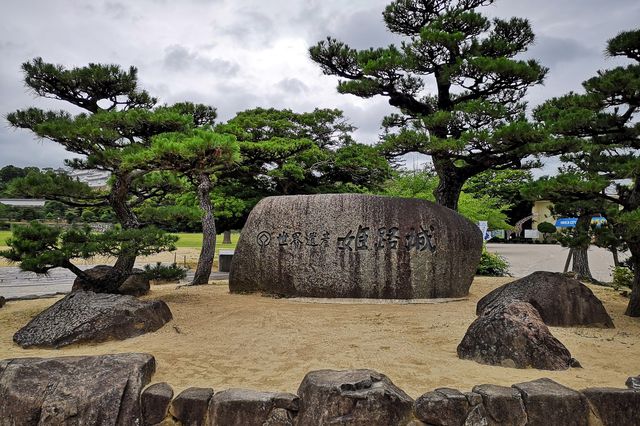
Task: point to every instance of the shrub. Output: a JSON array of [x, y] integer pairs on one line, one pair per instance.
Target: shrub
[[492, 265], [160, 272], [547, 228], [622, 277]]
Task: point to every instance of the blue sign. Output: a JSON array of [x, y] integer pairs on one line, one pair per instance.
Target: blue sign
[[566, 222], [570, 222]]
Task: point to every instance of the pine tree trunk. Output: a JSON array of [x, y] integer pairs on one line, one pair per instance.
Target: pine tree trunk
[[207, 254], [127, 218], [568, 261], [450, 184], [633, 309], [616, 259], [226, 239], [580, 253], [581, 264]]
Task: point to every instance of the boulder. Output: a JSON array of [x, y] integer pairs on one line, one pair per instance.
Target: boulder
[[503, 405], [615, 407], [513, 336], [137, 284], [353, 397], [560, 300], [633, 383], [85, 316], [443, 407], [3, 301], [242, 407], [550, 404], [155, 402], [84, 390], [279, 417], [355, 246], [191, 406]]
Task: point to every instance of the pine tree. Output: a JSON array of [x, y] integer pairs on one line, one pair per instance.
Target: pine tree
[[199, 156], [117, 115], [457, 82], [604, 120]]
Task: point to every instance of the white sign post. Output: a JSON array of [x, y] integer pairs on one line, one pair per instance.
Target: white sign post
[[484, 228], [531, 233]]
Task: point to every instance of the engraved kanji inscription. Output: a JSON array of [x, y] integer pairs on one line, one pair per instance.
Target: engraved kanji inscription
[[344, 243]]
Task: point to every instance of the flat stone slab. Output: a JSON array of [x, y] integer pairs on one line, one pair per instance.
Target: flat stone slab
[[84, 390], [85, 316], [355, 246]]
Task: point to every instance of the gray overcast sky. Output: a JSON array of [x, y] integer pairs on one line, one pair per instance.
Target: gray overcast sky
[[239, 54]]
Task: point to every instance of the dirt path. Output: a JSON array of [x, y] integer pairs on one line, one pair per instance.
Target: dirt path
[[221, 340]]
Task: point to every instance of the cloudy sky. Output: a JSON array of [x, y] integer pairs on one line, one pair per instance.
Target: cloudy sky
[[240, 54]]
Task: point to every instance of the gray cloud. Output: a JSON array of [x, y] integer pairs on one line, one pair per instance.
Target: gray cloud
[[293, 86], [363, 29], [239, 55], [116, 10], [251, 26], [179, 58]]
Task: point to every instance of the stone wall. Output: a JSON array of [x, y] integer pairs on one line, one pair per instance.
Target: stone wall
[[365, 397], [108, 389]]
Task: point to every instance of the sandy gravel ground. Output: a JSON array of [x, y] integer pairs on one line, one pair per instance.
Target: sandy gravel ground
[[221, 340]]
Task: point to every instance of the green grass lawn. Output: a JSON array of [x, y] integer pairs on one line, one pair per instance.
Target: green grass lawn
[[185, 240], [3, 237], [195, 240]]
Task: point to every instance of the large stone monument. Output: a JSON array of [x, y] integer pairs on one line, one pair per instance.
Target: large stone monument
[[355, 246]]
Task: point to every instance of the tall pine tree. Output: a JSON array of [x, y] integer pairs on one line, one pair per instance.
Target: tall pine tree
[[457, 85], [604, 120], [116, 115]]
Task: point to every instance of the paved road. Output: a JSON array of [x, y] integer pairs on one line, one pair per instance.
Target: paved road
[[527, 258], [16, 284]]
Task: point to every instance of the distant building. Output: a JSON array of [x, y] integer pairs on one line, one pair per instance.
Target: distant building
[[96, 179], [22, 202], [541, 211], [93, 178]]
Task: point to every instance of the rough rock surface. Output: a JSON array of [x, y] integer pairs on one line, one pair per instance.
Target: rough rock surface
[[352, 397], [92, 390], [444, 407], [550, 404], [191, 406], [615, 407], [355, 246], [513, 336], [135, 285], [241, 407], [155, 402], [503, 405], [85, 316], [560, 300]]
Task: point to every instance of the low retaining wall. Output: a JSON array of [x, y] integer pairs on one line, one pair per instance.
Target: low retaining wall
[[110, 389], [359, 400]]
